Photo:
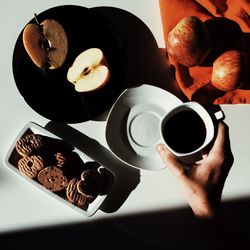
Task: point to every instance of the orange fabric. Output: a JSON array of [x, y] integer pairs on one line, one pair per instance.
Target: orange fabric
[[229, 24]]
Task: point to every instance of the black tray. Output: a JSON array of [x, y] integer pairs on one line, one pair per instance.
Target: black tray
[[48, 92]]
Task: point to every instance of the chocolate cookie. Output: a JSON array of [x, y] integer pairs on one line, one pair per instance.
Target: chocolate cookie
[[74, 196], [29, 144], [53, 179], [91, 183], [30, 165], [60, 159]]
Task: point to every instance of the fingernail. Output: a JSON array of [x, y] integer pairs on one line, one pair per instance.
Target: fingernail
[[160, 148]]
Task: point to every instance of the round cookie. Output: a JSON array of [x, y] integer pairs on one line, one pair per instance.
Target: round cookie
[[74, 196], [91, 183], [83, 200], [30, 165], [71, 191], [53, 179], [60, 159], [26, 146]]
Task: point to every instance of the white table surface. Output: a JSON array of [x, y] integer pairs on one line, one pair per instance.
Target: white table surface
[[23, 206]]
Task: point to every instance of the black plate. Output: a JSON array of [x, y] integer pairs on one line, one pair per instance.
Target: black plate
[[48, 92]]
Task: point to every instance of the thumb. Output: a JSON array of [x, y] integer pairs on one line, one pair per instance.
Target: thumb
[[170, 161]]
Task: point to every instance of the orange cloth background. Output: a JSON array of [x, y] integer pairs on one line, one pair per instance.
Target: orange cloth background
[[228, 23]]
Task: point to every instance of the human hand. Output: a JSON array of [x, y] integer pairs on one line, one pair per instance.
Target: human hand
[[204, 180]]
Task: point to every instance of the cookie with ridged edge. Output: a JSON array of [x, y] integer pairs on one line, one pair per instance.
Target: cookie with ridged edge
[[30, 165], [60, 159], [29, 144], [91, 183], [74, 196]]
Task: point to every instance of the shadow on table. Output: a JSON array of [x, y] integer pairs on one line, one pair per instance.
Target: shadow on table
[[146, 62], [126, 177], [170, 229]]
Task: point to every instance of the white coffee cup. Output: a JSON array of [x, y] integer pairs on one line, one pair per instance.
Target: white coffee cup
[[188, 129]]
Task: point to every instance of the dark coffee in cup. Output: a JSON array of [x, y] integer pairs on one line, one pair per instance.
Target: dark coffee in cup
[[188, 128], [184, 131]]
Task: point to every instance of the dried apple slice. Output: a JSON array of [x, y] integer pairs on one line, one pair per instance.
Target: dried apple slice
[[46, 43]]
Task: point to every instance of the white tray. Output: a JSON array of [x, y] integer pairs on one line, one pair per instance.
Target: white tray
[[37, 129]]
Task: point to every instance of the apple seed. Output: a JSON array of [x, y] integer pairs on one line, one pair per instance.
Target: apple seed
[[86, 71]]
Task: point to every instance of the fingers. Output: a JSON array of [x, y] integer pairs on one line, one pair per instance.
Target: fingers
[[221, 148], [219, 144], [170, 161]]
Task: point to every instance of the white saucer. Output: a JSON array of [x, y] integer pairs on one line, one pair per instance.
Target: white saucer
[[132, 129]]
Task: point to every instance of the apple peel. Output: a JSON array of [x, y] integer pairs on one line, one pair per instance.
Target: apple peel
[[34, 49], [229, 70], [189, 42]]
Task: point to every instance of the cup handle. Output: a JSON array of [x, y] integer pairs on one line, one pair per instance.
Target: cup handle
[[215, 112], [219, 115]]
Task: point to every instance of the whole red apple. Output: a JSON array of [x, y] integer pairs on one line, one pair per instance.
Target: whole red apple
[[229, 70], [189, 42]]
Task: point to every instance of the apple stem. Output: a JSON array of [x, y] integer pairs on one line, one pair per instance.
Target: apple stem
[[35, 16], [45, 44]]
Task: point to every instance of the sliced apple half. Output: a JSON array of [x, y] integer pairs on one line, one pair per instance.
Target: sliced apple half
[[46, 43], [89, 71]]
